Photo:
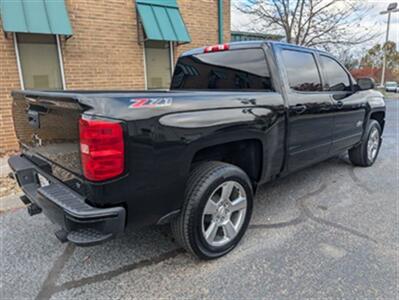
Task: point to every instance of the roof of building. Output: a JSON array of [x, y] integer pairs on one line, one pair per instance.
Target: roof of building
[[237, 36]]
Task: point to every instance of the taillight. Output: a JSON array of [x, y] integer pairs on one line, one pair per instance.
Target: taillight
[[216, 48], [102, 149]]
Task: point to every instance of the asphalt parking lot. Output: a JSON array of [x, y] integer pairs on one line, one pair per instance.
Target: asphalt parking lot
[[331, 230]]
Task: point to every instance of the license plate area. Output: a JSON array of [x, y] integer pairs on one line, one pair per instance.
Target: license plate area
[[43, 181]]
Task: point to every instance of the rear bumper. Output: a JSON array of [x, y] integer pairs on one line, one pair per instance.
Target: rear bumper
[[81, 224]]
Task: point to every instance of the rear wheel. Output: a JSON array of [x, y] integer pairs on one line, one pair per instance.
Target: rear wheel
[[216, 211], [366, 153]]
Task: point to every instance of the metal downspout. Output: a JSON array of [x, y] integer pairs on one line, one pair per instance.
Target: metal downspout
[[220, 20]]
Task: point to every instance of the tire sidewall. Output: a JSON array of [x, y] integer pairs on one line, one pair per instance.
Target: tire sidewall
[[203, 248], [372, 124]]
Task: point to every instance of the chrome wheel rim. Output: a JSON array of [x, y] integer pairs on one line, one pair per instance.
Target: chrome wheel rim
[[373, 144], [224, 213]]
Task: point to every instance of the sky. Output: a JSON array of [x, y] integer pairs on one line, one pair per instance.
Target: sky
[[381, 5], [241, 22]]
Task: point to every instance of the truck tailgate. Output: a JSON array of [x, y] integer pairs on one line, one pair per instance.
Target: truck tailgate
[[48, 127]]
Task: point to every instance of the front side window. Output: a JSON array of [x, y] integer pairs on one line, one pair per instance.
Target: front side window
[[302, 71], [158, 64], [226, 70], [337, 78], [39, 61]]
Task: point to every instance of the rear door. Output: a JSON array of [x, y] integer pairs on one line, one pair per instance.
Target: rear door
[[310, 122], [348, 106]]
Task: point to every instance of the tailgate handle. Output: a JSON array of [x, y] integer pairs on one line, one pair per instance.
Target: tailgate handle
[[33, 118]]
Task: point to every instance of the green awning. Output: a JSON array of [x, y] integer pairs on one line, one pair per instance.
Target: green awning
[[35, 16], [162, 21]]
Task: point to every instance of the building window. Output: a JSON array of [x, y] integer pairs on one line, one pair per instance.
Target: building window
[[39, 61], [158, 64]]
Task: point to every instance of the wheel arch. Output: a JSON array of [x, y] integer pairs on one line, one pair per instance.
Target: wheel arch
[[246, 154], [379, 116]]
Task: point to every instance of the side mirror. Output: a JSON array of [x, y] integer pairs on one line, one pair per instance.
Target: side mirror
[[365, 83]]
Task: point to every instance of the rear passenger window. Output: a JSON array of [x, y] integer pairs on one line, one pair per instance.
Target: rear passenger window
[[226, 70], [302, 71], [337, 78]]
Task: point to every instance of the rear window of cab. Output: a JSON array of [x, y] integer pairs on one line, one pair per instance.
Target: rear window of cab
[[244, 69]]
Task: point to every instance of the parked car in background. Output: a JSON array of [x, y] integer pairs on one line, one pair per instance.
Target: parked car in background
[[237, 115], [391, 86]]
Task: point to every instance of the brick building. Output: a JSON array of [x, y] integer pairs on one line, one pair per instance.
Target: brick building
[[98, 44]]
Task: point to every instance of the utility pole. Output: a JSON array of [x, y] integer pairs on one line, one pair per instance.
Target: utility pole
[[392, 8]]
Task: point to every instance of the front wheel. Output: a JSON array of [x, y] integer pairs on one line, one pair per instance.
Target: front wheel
[[216, 211], [366, 153]]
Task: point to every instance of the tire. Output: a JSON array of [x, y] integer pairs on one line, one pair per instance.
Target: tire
[[359, 155], [203, 234]]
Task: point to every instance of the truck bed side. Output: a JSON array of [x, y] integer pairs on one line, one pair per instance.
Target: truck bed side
[[162, 141]]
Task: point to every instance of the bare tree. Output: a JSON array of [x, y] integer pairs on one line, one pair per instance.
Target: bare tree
[[348, 58], [312, 23]]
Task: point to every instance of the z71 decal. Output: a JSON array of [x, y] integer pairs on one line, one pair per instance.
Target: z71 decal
[[150, 102]]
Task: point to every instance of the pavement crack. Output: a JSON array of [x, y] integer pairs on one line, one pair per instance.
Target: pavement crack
[[298, 220], [48, 287], [306, 213], [311, 216], [358, 182], [113, 273], [293, 222]]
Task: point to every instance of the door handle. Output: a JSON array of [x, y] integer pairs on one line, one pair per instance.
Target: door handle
[[325, 106], [340, 104], [299, 108]]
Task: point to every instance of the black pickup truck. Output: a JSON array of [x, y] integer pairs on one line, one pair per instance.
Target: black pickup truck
[[237, 115]]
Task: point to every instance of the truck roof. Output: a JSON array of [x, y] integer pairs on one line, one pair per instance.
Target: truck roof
[[253, 44]]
